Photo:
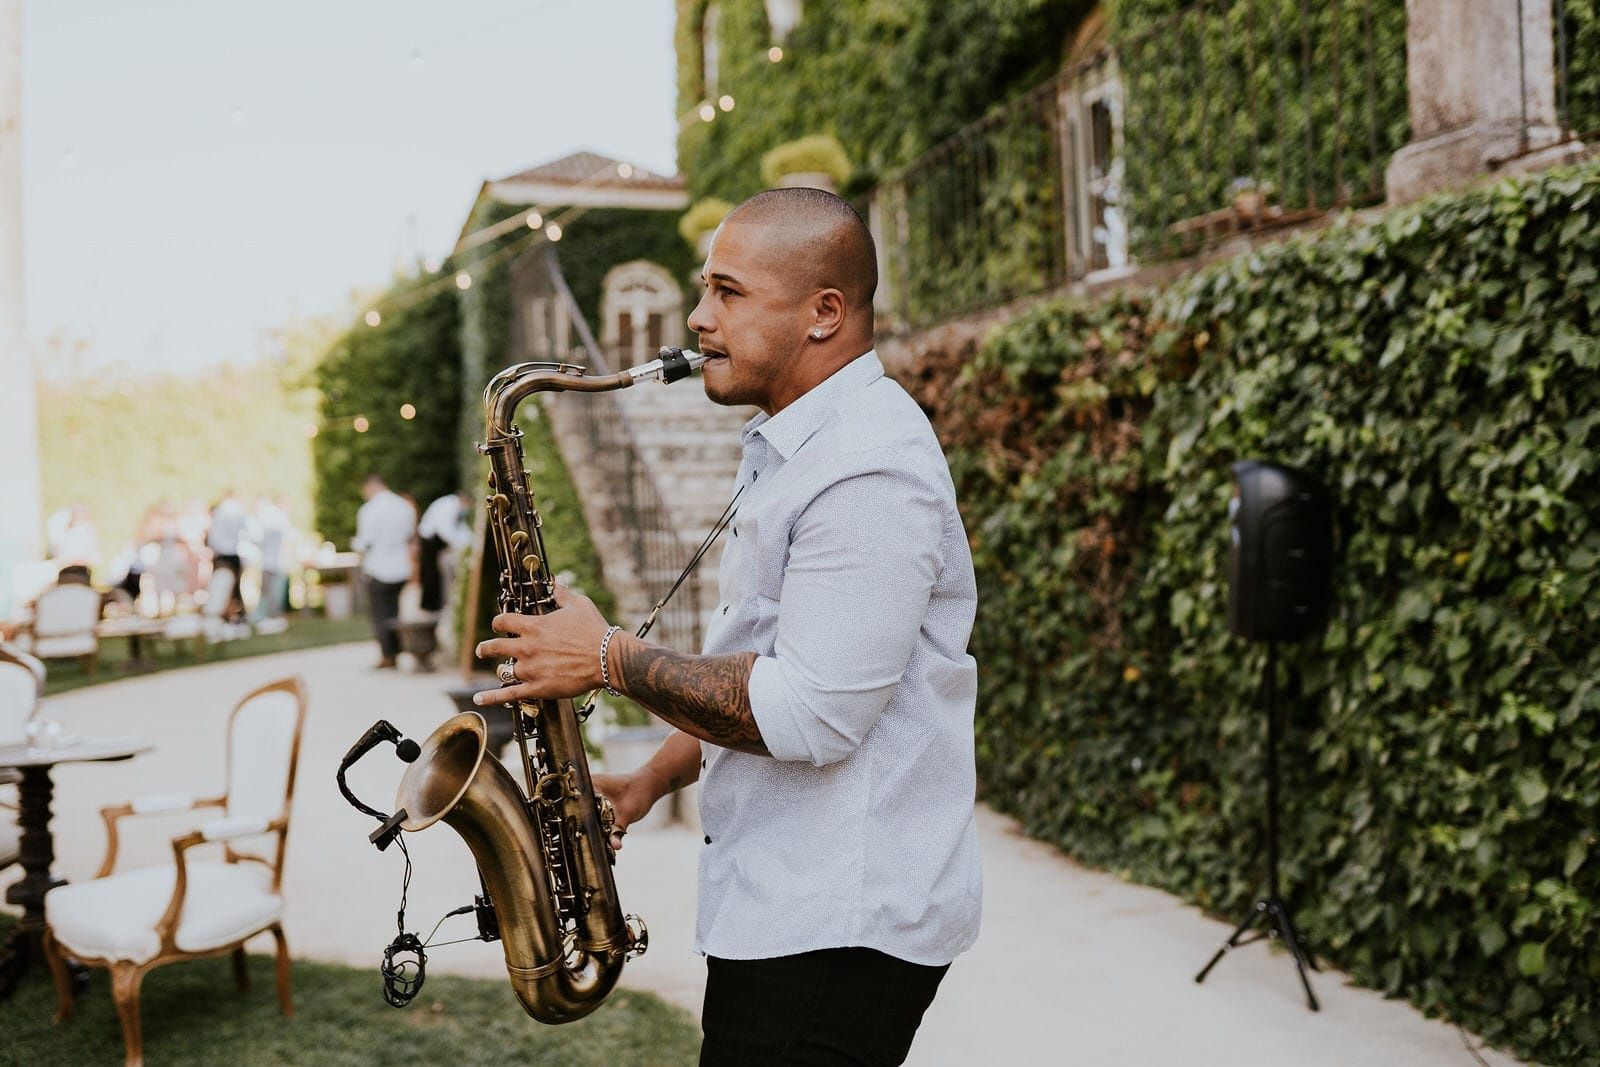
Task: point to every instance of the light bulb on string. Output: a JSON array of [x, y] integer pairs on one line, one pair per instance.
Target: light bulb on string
[[373, 318], [775, 54], [361, 424], [408, 412], [624, 170], [311, 430], [463, 280], [553, 231], [707, 112], [726, 103], [535, 220]]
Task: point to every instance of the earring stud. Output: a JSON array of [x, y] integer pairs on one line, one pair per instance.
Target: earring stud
[[817, 334]]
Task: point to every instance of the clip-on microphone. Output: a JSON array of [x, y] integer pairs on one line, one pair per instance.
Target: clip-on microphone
[[406, 749], [405, 964]]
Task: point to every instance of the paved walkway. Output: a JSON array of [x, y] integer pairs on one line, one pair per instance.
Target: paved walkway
[[1073, 966]]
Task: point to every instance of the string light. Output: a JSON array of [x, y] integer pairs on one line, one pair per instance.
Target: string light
[[535, 220], [361, 424], [373, 318], [311, 429], [775, 54], [707, 112], [408, 411], [726, 103], [554, 231], [625, 170], [432, 264], [463, 280]]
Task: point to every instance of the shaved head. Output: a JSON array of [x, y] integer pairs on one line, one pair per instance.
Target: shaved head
[[822, 236]]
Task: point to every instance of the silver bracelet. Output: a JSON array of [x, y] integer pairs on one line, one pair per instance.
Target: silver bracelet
[[605, 667]]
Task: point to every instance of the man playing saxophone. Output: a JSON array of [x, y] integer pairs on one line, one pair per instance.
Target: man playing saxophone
[[829, 717]]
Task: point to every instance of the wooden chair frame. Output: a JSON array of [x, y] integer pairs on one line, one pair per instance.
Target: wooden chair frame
[[126, 975]]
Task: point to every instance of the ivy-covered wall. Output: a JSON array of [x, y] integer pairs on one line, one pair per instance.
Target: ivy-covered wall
[[889, 78], [411, 357], [1440, 369]]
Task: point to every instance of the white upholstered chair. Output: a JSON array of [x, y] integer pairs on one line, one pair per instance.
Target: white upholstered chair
[[21, 679], [138, 920], [64, 619]]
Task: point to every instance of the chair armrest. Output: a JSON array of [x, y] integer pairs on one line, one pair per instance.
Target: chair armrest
[[235, 826], [153, 804], [215, 830], [161, 804]]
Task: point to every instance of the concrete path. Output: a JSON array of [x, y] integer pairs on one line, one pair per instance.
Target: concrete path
[[1073, 966]]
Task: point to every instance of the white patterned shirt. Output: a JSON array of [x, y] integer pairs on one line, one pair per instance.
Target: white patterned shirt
[[847, 571]]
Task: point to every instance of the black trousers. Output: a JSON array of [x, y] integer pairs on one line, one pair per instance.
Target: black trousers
[[835, 1006], [383, 602]]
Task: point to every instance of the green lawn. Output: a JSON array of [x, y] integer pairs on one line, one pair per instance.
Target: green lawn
[[194, 1015], [164, 655]]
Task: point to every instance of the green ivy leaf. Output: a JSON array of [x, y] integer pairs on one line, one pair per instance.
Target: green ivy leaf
[[1491, 936], [1530, 787], [1530, 959], [1577, 853]]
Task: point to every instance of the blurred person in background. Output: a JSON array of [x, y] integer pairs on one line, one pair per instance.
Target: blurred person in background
[[445, 530], [228, 528], [78, 550], [272, 522], [385, 526]]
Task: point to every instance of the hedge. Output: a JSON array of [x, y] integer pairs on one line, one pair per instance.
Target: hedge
[[409, 358], [1438, 368]]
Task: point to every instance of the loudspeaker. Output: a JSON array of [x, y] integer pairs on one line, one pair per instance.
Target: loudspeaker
[[1280, 529]]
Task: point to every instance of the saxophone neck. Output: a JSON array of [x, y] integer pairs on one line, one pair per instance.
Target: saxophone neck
[[512, 386]]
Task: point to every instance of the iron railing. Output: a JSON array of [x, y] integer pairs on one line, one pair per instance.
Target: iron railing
[[1221, 118], [615, 479], [1562, 106]]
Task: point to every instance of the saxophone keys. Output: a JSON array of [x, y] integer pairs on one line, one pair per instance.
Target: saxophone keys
[[519, 540], [530, 563]]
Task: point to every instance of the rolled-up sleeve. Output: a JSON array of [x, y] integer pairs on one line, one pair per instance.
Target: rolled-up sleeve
[[864, 557]]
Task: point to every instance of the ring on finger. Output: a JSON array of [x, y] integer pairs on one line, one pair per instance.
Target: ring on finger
[[507, 671]]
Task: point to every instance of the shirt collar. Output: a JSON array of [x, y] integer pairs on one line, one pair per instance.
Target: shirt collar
[[793, 426]]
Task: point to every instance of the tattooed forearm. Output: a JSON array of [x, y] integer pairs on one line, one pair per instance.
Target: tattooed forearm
[[705, 696]]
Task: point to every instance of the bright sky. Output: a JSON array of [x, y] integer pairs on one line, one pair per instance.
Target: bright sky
[[196, 173]]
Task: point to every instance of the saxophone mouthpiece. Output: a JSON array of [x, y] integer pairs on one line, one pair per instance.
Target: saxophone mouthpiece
[[673, 365]]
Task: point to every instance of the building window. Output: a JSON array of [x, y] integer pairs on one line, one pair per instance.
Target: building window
[[641, 310], [710, 51], [782, 16], [1091, 155]]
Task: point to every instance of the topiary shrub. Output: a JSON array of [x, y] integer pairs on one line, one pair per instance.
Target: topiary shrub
[[818, 154]]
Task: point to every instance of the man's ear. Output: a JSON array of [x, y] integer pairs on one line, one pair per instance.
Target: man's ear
[[827, 314]]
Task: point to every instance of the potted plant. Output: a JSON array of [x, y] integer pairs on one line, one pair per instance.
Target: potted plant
[[816, 162], [701, 221], [1250, 199]]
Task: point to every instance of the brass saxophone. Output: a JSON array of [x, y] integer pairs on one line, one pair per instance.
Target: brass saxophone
[[545, 855]]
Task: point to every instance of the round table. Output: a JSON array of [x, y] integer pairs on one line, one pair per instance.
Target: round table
[[26, 944]]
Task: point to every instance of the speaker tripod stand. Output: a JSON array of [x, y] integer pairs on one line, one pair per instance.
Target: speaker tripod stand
[[1269, 917]]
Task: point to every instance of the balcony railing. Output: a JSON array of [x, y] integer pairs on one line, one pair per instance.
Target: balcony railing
[[1218, 119]]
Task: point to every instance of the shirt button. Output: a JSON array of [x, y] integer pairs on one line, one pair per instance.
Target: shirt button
[[708, 839]]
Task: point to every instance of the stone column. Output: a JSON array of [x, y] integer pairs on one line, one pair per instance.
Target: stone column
[[20, 522], [1481, 78]]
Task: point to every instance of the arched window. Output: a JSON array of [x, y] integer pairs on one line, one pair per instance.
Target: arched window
[[782, 16], [641, 309], [710, 52]]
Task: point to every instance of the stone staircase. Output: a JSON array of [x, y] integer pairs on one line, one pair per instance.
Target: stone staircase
[[689, 451]]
